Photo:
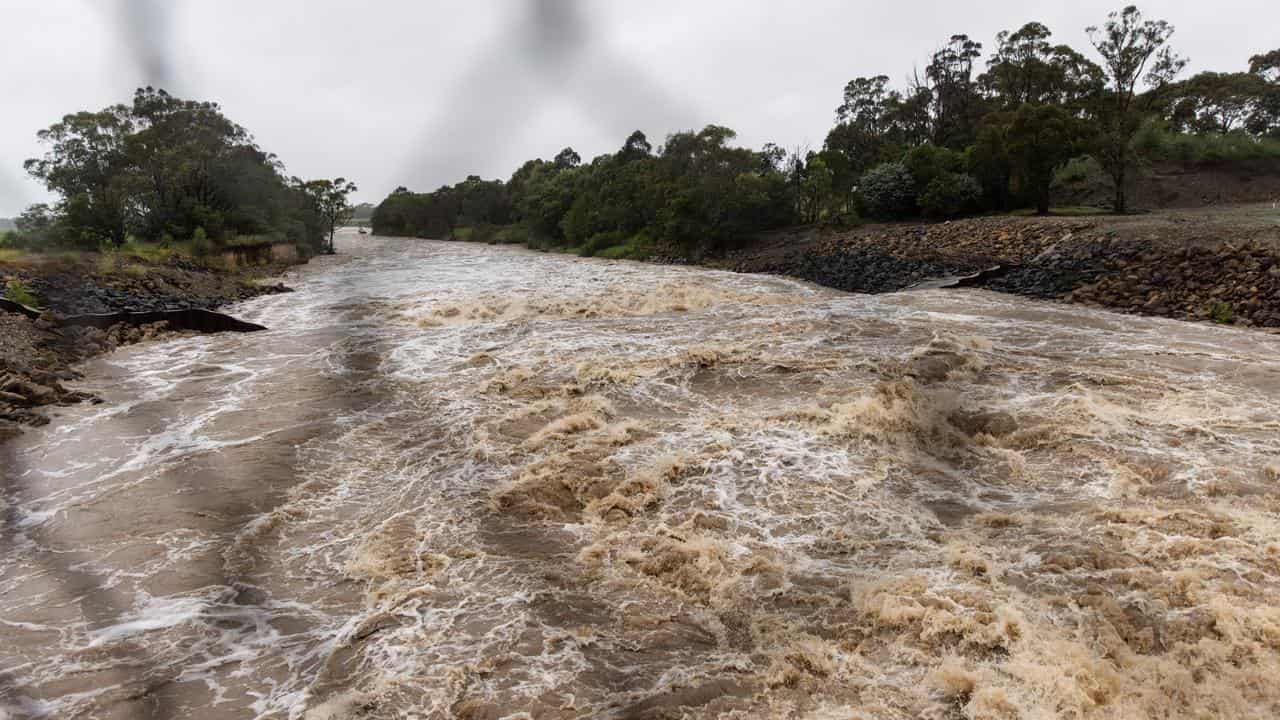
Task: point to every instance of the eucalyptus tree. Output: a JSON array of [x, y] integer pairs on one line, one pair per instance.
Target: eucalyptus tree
[[329, 199], [88, 164], [1132, 49], [1028, 68]]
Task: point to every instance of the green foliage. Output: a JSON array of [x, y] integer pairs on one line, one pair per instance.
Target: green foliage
[[1128, 45], [200, 244], [1080, 177], [635, 248], [875, 124], [1222, 313], [699, 194], [163, 166], [425, 215], [484, 232], [1010, 130], [600, 242], [1217, 102], [1027, 68], [327, 199], [988, 161], [1040, 139], [511, 235], [18, 292], [1155, 141], [928, 161], [957, 104], [950, 194], [888, 191], [147, 252]]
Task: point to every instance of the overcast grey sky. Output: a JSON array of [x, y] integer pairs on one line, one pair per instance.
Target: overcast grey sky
[[422, 92]]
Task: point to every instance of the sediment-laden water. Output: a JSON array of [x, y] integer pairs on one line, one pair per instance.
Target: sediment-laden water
[[474, 482]]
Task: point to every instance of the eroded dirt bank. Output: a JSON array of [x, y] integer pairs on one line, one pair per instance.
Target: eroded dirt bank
[[1219, 264], [459, 481]]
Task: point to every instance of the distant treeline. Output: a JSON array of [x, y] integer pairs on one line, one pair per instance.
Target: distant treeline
[[959, 139], [169, 171]]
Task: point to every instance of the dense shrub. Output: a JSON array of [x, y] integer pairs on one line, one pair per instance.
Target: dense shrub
[[1223, 313], [698, 194], [950, 194], [1156, 141], [511, 235], [928, 161], [888, 191], [600, 242], [1080, 179], [201, 245]]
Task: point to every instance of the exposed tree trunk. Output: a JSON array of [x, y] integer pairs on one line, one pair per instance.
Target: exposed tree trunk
[[1119, 206]]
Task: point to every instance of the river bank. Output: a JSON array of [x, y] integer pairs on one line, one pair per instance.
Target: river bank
[[38, 353], [1214, 264]]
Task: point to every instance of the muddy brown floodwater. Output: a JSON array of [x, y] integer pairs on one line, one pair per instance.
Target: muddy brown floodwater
[[457, 481]]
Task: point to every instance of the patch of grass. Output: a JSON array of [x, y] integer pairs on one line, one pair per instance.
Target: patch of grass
[[105, 264], [1065, 211], [15, 256], [477, 233], [511, 235], [148, 252], [1222, 313], [18, 292], [634, 249], [64, 259], [135, 270]]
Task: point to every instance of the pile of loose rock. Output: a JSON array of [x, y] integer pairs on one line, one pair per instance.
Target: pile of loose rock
[[1226, 284], [978, 241], [885, 258], [24, 390], [1117, 264]]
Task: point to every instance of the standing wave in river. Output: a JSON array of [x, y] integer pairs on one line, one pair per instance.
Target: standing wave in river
[[475, 482]]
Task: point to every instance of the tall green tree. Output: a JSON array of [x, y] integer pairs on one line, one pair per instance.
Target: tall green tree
[[89, 165], [1027, 68], [1213, 102], [163, 167], [1040, 139], [330, 199], [1265, 119], [875, 123], [1130, 46], [957, 105]]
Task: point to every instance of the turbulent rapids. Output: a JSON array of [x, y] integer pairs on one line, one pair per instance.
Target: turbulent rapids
[[462, 481]]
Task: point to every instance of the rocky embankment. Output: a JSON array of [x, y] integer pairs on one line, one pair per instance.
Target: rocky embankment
[[1221, 265], [37, 353]]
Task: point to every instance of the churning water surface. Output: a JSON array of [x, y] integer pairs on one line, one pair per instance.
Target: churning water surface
[[465, 481]]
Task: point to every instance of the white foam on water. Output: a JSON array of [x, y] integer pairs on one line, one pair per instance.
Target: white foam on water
[[455, 479]]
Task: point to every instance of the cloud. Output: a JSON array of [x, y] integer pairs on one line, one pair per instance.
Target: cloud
[[424, 92]]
